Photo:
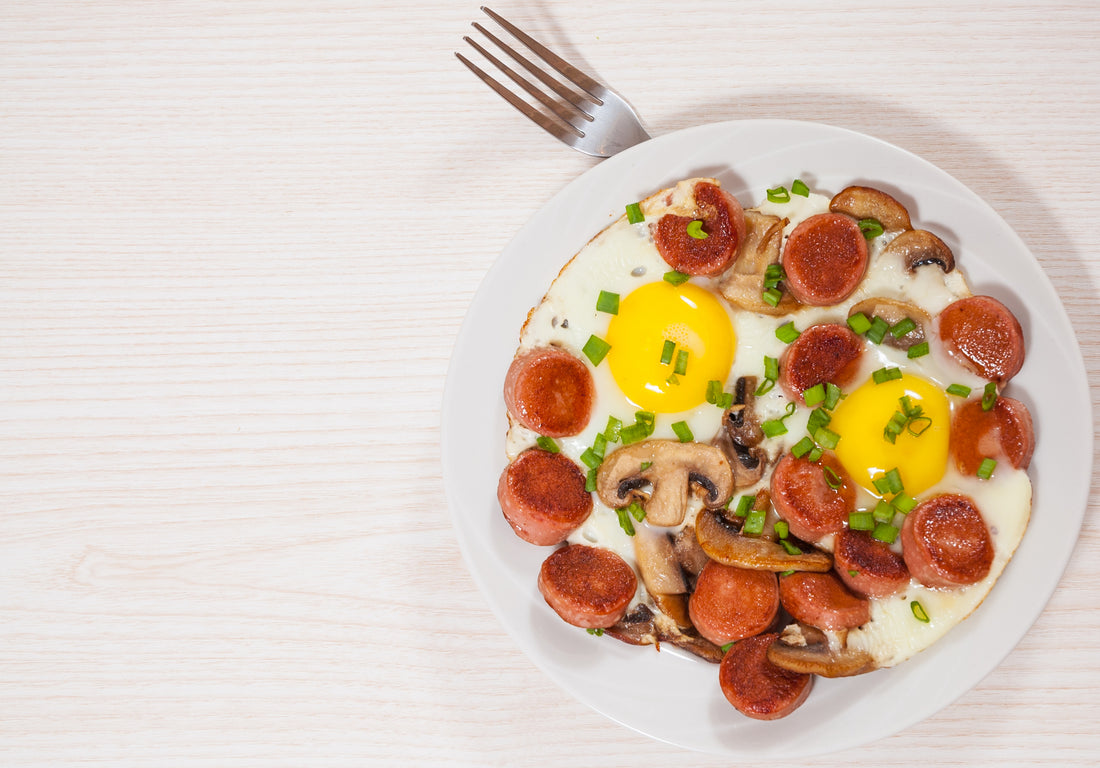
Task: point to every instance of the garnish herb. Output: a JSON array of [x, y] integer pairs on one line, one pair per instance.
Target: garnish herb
[[787, 332], [695, 230], [918, 612], [883, 375], [918, 350], [597, 631], [771, 375], [877, 332], [683, 431], [681, 366], [782, 529], [624, 521], [776, 427], [832, 479], [779, 195], [883, 512], [885, 533], [959, 390], [611, 431], [799, 188], [676, 278], [590, 481], [902, 327], [870, 228], [596, 349], [989, 396], [772, 297], [789, 547], [859, 323], [802, 447], [903, 503], [744, 504], [985, 469], [754, 522], [833, 396], [667, 351], [814, 395], [634, 213], [861, 521], [608, 302], [548, 444], [827, 439]]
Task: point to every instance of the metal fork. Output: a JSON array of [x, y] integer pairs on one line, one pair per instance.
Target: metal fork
[[590, 117]]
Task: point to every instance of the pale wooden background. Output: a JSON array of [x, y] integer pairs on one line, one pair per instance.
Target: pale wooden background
[[236, 244]]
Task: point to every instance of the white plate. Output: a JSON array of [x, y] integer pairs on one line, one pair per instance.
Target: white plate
[[672, 696]]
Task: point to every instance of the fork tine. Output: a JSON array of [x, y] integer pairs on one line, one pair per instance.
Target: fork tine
[[571, 73]]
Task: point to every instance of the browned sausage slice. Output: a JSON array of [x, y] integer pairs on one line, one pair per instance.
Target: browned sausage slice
[[542, 496], [802, 496], [821, 600], [723, 223], [946, 543], [587, 586], [984, 336], [824, 258], [755, 686], [1003, 432], [732, 603], [822, 353], [550, 391], [868, 567]]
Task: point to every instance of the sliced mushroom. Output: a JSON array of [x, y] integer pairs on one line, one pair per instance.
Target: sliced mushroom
[[636, 627], [661, 573], [743, 283], [671, 469], [801, 649], [870, 203], [642, 627], [689, 554], [740, 434], [918, 247], [893, 312], [722, 543]]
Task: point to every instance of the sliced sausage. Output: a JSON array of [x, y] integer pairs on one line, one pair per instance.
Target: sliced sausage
[[1004, 432], [550, 391], [984, 336], [824, 258], [732, 603], [542, 496], [802, 496], [723, 223], [868, 567], [755, 686], [822, 353], [821, 600], [946, 542], [587, 586]]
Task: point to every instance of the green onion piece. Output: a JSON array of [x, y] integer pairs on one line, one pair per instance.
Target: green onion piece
[[596, 349], [608, 302], [893, 480], [599, 445], [683, 431], [882, 375], [818, 418], [667, 350], [918, 612], [859, 323], [548, 444], [773, 275], [695, 229], [634, 213], [672, 379], [765, 387], [832, 396], [597, 631], [919, 425], [779, 195], [815, 454], [826, 438], [918, 350], [776, 427], [798, 187], [853, 572], [782, 529], [959, 390], [885, 532], [903, 503], [902, 327], [791, 548], [611, 431], [814, 395], [877, 332], [727, 646], [882, 485], [635, 433], [648, 418], [637, 511], [624, 521], [861, 521], [870, 228], [744, 505], [883, 512], [787, 573], [714, 387], [645, 465], [832, 479], [787, 332], [989, 397], [676, 278], [681, 366], [590, 481], [907, 406], [724, 400], [754, 522], [771, 368], [591, 459], [802, 447], [985, 470], [772, 297]]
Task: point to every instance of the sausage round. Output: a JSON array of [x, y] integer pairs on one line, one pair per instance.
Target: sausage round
[[587, 586], [868, 567], [825, 257], [827, 352], [821, 600], [755, 686], [945, 542], [550, 391], [802, 496], [542, 496], [1003, 432], [984, 336], [723, 222], [731, 603]]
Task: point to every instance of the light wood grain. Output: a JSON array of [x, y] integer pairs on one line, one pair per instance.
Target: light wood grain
[[236, 244]]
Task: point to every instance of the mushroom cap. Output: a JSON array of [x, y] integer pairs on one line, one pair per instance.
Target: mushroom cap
[[918, 247], [743, 283], [893, 312], [728, 547], [803, 649], [870, 203]]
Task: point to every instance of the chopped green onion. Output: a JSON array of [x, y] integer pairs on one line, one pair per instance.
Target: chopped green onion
[[771, 368], [624, 521], [590, 481], [597, 631], [918, 612], [832, 396], [885, 532], [832, 479], [683, 431], [596, 349], [681, 366], [548, 444], [645, 465], [634, 213], [636, 510], [893, 481], [918, 425], [985, 470], [608, 302], [853, 572], [883, 512], [818, 418], [724, 400], [714, 387], [776, 427], [791, 548], [903, 503], [779, 195], [782, 529], [826, 438], [918, 350], [754, 522], [814, 395], [611, 431], [787, 332], [599, 445], [744, 505], [676, 278], [861, 521], [959, 390], [591, 459], [772, 297], [667, 349], [765, 387], [802, 447], [989, 397], [787, 573], [870, 228], [635, 433], [902, 327], [798, 187], [773, 275], [877, 332], [646, 417], [859, 323], [814, 455], [695, 229], [727, 646], [882, 375]]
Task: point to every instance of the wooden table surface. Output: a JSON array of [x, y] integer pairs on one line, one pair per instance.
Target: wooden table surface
[[237, 241]]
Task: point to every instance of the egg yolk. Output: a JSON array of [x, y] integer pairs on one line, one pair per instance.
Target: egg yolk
[[685, 315], [866, 454]]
